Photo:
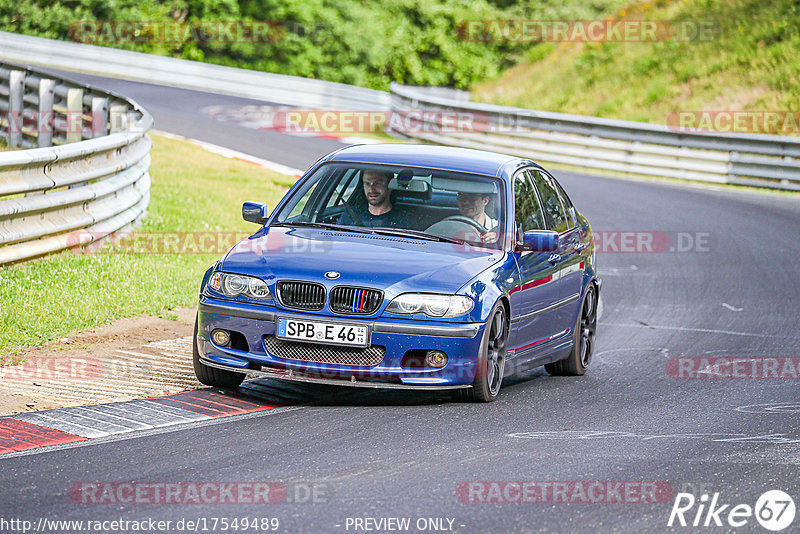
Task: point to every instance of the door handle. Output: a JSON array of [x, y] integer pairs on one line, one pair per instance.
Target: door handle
[[554, 258]]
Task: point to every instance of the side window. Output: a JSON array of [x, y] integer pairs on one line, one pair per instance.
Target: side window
[[344, 189], [572, 218], [303, 210], [527, 210], [554, 212]]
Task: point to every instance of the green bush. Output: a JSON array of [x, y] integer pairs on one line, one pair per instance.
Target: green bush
[[360, 42]]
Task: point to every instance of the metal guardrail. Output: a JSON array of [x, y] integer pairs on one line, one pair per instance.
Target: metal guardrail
[[583, 142], [95, 179], [591, 143], [127, 65]]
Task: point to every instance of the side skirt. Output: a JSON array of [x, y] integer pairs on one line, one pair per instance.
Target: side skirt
[[538, 358]]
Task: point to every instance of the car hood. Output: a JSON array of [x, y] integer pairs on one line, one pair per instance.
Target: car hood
[[393, 264]]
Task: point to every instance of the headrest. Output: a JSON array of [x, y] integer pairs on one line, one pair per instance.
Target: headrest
[[465, 186]]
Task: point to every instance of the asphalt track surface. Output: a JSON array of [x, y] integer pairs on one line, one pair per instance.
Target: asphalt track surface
[[403, 454]]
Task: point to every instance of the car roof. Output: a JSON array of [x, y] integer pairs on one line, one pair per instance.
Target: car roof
[[439, 157]]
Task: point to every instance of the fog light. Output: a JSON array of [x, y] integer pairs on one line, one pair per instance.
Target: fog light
[[435, 358], [220, 338]]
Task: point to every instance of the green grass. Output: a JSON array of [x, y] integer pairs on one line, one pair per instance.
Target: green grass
[[378, 136], [749, 63], [192, 191]]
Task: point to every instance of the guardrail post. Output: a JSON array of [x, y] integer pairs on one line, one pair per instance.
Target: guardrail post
[[16, 91], [132, 119], [44, 124], [99, 117], [730, 177], [75, 121], [118, 117], [74, 115]]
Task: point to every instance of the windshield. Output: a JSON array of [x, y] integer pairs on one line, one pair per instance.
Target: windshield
[[419, 201]]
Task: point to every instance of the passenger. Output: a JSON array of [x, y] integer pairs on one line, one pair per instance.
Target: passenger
[[378, 210], [473, 205]]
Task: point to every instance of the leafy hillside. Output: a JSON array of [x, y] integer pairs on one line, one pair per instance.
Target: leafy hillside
[[750, 62], [418, 42]]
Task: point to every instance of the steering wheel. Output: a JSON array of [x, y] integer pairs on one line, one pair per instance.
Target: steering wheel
[[450, 226]]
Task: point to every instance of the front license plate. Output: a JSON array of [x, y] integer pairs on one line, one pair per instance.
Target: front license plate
[[322, 332]]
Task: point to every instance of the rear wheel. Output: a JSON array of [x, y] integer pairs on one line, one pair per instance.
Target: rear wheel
[[211, 376], [583, 340], [492, 359]]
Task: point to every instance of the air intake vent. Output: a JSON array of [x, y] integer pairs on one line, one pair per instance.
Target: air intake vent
[[305, 296], [355, 300], [312, 352]]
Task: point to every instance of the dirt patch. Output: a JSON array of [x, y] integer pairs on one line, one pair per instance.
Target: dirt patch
[[129, 358], [744, 98], [11, 403]]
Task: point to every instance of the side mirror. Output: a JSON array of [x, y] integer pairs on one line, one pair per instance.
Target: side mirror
[[540, 240], [255, 212]]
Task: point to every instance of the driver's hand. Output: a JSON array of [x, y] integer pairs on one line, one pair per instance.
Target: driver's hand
[[489, 237]]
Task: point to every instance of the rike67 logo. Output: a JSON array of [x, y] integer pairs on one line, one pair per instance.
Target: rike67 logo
[[774, 510]]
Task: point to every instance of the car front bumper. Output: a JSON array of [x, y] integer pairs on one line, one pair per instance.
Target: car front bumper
[[460, 341]]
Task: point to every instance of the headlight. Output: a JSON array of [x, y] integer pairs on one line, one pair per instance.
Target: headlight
[[431, 305], [233, 285]]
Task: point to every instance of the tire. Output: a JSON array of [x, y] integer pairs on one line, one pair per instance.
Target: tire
[[491, 359], [211, 376], [583, 340]]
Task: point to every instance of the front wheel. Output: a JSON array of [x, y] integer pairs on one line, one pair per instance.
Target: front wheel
[[582, 340], [211, 376], [491, 359]]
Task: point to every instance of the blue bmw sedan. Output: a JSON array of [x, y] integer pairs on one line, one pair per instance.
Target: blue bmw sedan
[[405, 266]]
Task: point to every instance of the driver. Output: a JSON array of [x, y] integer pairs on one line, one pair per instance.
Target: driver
[[473, 205], [378, 210]]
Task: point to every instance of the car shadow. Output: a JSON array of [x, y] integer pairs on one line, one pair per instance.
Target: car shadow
[[285, 393], [280, 392], [524, 377]]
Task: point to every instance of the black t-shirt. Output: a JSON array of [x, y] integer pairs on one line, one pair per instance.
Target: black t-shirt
[[394, 218]]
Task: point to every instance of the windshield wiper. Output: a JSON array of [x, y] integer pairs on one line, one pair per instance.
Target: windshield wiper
[[416, 233], [326, 226], [374, 230]]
